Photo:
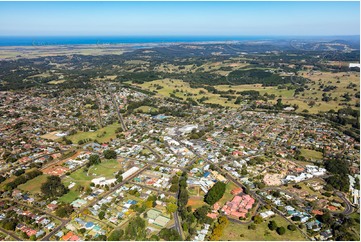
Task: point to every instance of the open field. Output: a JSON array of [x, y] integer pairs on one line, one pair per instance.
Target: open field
[[344, 82], [196, 202], [96, 135], [33, 186], [235, 231], [172, 85], [311, 154], [258, 87], [69, 197], [146, 109], [51, 135], [106, 169]]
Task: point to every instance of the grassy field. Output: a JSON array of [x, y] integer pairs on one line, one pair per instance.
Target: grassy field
[[146, 109], [311, 154], [96, 135], [257, 87], [171, 86], [33, 186], [235, 231], [69, 197], [106, 169], [340, 80]]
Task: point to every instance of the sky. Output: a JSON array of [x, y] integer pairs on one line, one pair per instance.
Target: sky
[[179, 18]]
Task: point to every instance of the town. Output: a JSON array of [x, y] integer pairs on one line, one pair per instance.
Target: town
[[115, 163]]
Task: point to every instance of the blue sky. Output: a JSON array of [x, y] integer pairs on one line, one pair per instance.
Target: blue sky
[[179, 18]]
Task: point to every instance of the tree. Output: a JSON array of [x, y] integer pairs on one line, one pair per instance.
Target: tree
[[116, 235], [257, 219], [93, 160], [174, 188], [109, 154], [201, 213], [169, 235], [64, 211], [252, 226], [272, 225], [101, 215], [215, 193], [281, 230], [291, 227], [9, 225], [171, 208], [135, 229], [53, 187]]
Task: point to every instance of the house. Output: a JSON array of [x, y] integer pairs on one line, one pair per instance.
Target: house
[[317, 212], [212, 215], [52, 207], [236, 191], [267, 214]]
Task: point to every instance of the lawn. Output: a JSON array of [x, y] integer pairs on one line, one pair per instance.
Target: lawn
[[69, 197], [33, 186], [106, 169], [235, 231], [147, 109], [311, 154], [96, 135]]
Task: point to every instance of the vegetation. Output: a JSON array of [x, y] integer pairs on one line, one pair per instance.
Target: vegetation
[[64, 210], [53, 187], [109, 154], [215, 193], [22, 179], [219, 227]]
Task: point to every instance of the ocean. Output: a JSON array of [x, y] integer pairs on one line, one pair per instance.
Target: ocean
[[89, 40]]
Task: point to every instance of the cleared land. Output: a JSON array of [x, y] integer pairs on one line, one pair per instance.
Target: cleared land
[[196, 202], [182, 90], [96, 135], [69, 197], [310, 99], [235, 231], [51, 135], [311, 154], [33, 186], [146, 109]]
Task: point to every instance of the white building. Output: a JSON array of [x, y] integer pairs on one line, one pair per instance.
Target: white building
[[354, 65], [130, 172]]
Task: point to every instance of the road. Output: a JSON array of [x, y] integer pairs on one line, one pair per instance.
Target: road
[[348, 209], [120, 117], [253, 194], [153, 151], [28, 162], [154, 189], [114, 188], [10, 234], [46, 237]]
